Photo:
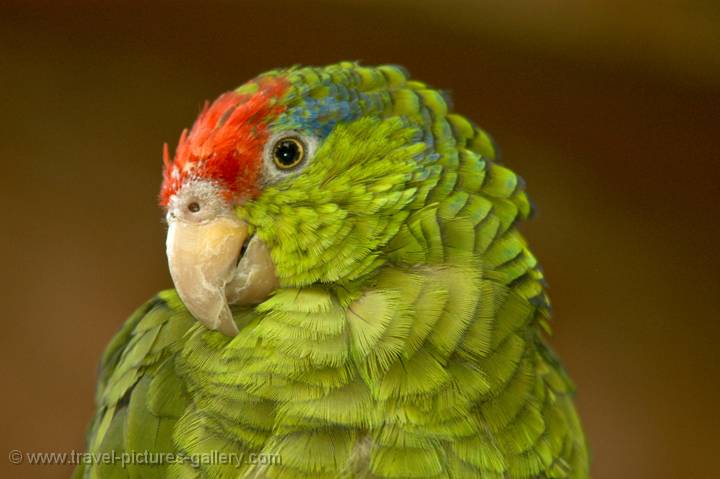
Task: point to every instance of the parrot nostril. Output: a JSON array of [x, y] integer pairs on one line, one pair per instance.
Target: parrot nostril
[[194, 207]]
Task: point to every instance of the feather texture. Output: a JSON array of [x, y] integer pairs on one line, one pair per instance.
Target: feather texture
[[406, 338]]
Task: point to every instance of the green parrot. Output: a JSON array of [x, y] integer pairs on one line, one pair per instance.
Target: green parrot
[[352, 299]]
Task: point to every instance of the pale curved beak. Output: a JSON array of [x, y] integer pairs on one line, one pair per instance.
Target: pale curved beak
[[207, 266]]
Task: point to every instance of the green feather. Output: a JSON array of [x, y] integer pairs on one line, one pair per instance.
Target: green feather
[[406, 337]]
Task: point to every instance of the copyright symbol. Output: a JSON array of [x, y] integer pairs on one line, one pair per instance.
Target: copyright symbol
[[15, 456]]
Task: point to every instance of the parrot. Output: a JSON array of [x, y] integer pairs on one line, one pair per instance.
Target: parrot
[[352, 299]]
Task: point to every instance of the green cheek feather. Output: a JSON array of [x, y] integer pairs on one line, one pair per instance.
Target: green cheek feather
[[406, 338]]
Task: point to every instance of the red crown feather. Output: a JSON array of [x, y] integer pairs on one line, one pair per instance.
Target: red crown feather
[[225, 143]]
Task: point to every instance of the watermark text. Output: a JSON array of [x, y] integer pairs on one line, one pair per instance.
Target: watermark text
[[152, 458]]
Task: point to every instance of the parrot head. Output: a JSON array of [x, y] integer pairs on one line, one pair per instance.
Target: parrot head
[[300, 176]]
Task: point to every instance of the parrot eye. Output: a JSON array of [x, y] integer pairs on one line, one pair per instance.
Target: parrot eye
[[288, 153], [194, 207]]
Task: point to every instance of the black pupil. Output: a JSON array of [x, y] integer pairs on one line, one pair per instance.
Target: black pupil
[[194, 207], [287, 152]]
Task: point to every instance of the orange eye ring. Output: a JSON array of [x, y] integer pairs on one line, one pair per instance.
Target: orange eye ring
[[288, 152]]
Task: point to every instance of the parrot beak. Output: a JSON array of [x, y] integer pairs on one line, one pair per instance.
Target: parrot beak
[[214, 264]]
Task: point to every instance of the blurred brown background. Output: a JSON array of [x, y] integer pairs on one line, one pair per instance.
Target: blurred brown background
[[609, 109]]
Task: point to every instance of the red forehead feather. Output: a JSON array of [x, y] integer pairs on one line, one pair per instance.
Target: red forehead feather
[[225, 143]]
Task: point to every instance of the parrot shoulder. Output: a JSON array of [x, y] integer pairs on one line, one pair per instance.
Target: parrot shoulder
[[139, 395]]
